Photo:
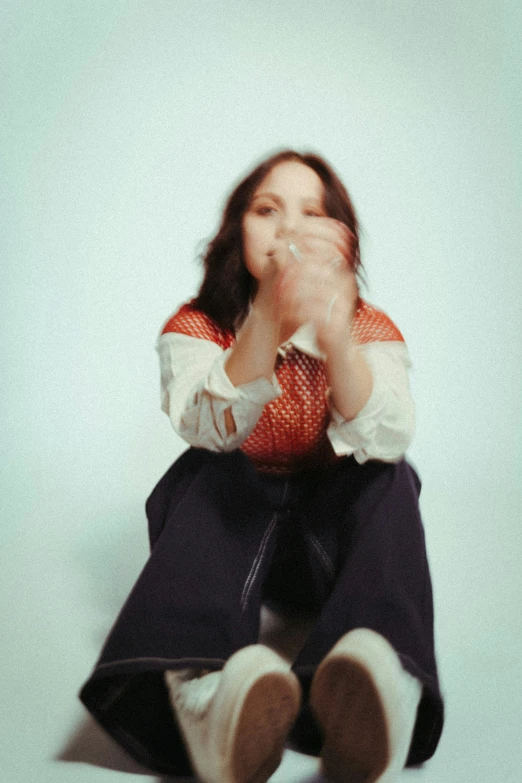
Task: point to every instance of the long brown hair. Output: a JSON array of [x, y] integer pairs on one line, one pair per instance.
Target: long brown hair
[[228, 287]]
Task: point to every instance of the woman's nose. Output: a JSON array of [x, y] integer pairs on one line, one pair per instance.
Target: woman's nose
[[287, 227]]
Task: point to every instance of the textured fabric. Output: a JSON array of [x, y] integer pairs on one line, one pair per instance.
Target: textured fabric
[[346, 542], [192, 322], [291, 432], [292, 424]]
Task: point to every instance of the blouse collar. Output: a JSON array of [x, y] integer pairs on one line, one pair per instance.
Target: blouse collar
[[304, 340]]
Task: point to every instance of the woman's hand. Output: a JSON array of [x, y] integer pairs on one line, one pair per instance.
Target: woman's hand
[[317, 284]]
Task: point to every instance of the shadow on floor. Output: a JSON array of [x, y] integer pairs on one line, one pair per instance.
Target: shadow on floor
[[89, 744]]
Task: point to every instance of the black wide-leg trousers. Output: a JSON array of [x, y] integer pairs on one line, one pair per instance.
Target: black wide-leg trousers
[[346, 541]]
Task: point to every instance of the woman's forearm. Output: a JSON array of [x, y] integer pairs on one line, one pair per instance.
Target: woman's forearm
[[350, 380], [254, 354]]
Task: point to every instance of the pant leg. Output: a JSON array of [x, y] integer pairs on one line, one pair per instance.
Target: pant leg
[[195, 603], [364, 526]]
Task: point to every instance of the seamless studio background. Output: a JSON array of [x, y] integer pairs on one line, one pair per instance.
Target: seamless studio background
[[124, 126]]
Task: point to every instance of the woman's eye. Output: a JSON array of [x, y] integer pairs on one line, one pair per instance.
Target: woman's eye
[[264, 210], [312, 213]]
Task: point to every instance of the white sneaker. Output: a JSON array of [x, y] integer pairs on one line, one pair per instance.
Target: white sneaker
[[366, 704], [235, 722]]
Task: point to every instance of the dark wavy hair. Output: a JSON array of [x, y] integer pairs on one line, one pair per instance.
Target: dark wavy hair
[[228, 287]]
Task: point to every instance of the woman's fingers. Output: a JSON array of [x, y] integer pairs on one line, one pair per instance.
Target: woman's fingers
[[321, 241], [306, 288], [324, 239]]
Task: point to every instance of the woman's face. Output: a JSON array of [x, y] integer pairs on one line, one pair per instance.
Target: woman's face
[[280, 207]]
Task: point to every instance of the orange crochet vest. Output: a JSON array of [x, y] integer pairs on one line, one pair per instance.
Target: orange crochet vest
[[291, 433]]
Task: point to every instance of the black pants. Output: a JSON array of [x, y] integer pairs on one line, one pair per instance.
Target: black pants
[[346, 540]]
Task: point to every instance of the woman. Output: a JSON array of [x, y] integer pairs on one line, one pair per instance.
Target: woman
[[293, 393]]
